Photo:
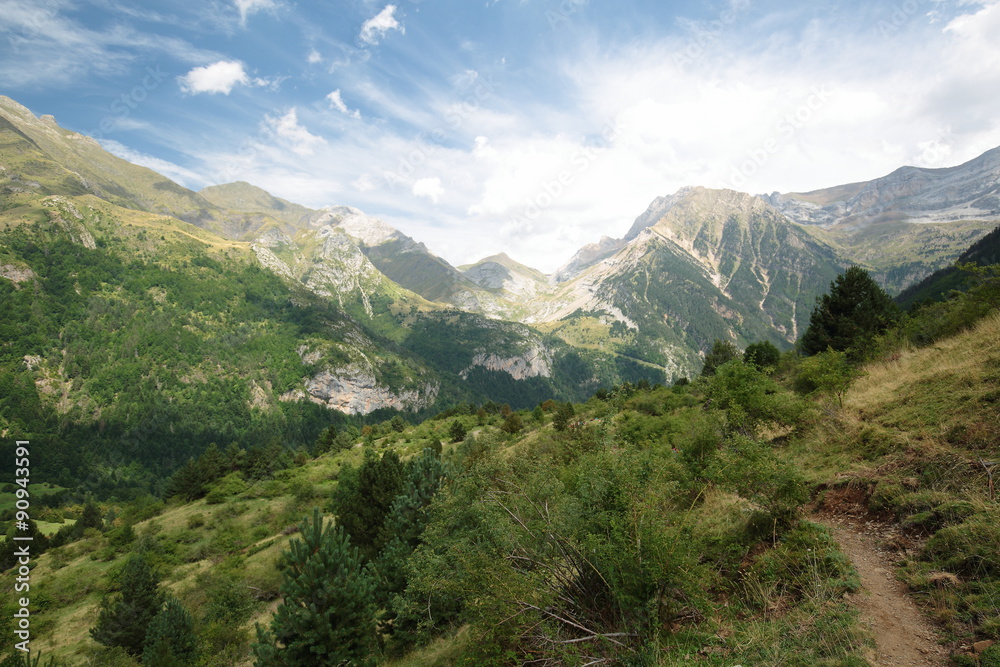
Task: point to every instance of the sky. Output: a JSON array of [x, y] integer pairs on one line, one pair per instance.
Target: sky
[[530, 127]]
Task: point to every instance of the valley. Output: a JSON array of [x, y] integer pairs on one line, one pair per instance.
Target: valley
[[494, 464]]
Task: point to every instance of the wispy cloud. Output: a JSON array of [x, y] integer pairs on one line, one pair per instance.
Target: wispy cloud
[[174, 172], [337, 102], [248, 7], [298, 138], [375, 28]]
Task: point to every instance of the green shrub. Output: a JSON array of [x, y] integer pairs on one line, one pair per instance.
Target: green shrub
[[231, 485], [971, 548]]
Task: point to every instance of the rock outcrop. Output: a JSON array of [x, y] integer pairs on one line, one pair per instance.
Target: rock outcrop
[[354, 390], [535, 362]]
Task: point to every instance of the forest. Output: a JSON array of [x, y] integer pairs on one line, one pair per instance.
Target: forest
[[647, 525]]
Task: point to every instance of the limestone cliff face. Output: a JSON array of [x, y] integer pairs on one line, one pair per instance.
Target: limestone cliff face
[[271, 261], [355, 391], [970, 190], [535, 362], [16, 274], [64, 213]]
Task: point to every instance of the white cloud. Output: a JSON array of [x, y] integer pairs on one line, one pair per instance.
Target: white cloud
[[314, 57], [46, 49], [301, 141], [219, 77], [375, 28], [337, 102], [429, 188], [248, 7], [538, 174]]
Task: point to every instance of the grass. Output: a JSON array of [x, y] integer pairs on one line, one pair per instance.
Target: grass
[[908, 441], [8, 499]]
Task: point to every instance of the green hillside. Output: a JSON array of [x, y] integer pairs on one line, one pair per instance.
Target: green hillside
[[937, 286], [648, 525]]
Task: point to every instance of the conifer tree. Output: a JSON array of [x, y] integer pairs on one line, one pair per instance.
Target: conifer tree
[[363, 502], [126, 614], [405, 523], [170, 640], [90, 517], [850, 316], [326, 616], [457, 431]]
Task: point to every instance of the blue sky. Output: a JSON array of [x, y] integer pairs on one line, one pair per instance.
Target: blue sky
[[525, 126]]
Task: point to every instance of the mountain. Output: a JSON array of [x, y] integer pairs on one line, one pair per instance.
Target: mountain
[[133, 339], [405, 261], [913, 194], [241, 196], [941, 283], [908, 223], [698, 265], [94, 170]]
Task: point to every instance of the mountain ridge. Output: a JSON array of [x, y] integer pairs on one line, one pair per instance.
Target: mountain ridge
[[739, 267]]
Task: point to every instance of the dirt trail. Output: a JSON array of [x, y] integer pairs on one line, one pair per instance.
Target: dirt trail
[[903, 636]]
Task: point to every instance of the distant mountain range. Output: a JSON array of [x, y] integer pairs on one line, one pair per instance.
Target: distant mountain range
[[697, 265]]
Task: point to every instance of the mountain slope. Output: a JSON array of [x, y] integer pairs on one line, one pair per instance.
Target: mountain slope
[[696, 266], [966, 191], [938, 285], [246, 198], [907, 224], [118, 181]]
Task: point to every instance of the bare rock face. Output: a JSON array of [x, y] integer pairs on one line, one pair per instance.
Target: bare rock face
[[535, 362], [967, 191], [16, 274], [64, 213], [354, 390], [271, 261], [587, 256]]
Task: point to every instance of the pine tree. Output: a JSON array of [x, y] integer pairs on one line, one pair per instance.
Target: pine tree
[[125, 616], [850, 316], [170, 640], [90, 517], [187, 481], [326, 616], [362, 503], [457, 431], [405, 523]]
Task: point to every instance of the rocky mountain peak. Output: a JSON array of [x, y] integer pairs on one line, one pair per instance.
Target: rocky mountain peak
[[368, 230], [587, 256]]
